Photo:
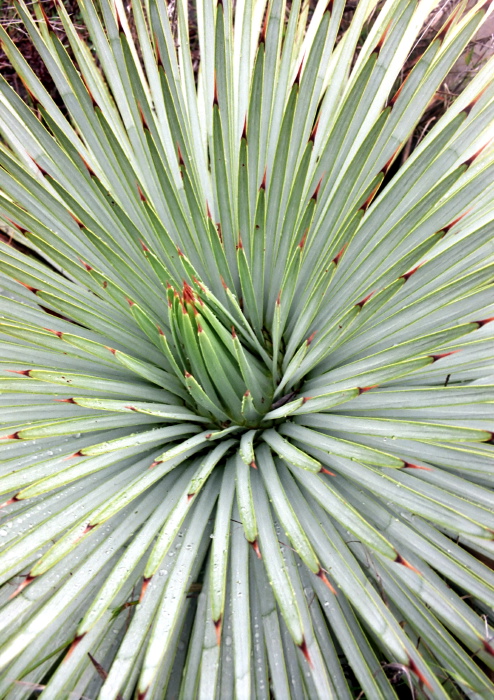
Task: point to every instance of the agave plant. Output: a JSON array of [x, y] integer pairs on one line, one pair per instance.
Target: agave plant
[[247, 365]]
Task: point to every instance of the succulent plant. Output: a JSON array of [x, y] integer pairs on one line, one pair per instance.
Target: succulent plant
[[246, 361]]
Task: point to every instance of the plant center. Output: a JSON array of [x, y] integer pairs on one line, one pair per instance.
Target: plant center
[[219, 360]]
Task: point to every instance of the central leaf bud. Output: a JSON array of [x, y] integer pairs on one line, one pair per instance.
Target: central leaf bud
[[225, 377]]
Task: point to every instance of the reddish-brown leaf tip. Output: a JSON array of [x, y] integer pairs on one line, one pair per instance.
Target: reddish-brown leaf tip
[[363, 389], [474, 101], [469, 161], [409, 465], [15, 224], [144, 587], [40, 167], [91, 96], [255, 547], [14, 499], [87, 529], [75, 454], [338, 257], [188, 293], [390, 160], [400, 560], [393, 100], [142, 115], [303, 648], [316, 191], [73, 647], [322, 575], [310, 338], [365, 299], [217, 629], [142, 196], [408, 274], [23, 372], [253, 465], [28, 286], [86, 265], [22, 586], [313, 133], [383, 38], [262, 35], [76, 219], [159, 60], [200, 285], [12, 436], [323, 470], [455, 221], [119, 23], [371, 196], [29, 91], [57, 333], [215, 93], [484, 321], [64, 400], [488, 647], [263, 182], [88, 167], [100, 670], [415, 669], [440, 355]]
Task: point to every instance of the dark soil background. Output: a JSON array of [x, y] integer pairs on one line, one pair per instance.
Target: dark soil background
[[474, 56]]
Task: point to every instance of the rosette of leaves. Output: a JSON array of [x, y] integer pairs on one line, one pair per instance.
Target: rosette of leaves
[[246, 359]]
